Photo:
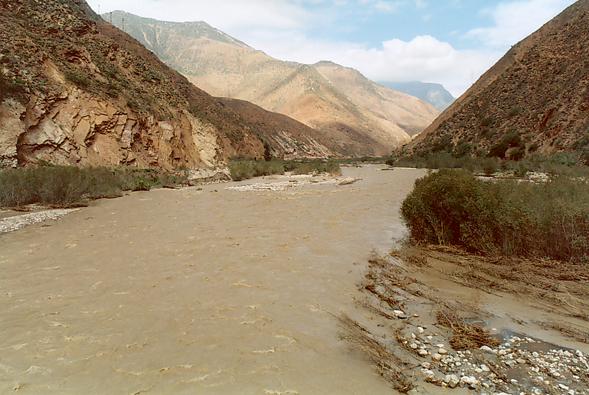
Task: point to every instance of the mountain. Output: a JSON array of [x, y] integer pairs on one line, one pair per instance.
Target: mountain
[[434, 94], [359, 116], [534, 100], [76, 90]]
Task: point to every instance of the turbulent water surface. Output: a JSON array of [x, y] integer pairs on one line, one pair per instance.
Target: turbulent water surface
[[197, 291]]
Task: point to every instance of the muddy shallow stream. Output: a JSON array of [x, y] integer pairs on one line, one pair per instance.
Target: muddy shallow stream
[[197, 291]]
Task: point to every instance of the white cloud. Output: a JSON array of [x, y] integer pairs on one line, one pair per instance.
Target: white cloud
[[423, 58], [421, 4], [515, 20], [385, 6]]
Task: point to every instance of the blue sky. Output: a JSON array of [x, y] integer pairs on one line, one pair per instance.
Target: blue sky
[[375, 22], [446, 41]]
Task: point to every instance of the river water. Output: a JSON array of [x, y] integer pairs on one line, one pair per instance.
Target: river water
[[197, 291]]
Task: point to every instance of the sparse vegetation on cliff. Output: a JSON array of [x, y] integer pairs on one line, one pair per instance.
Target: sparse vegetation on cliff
[[544, 220], [65, 186], [10, 88]]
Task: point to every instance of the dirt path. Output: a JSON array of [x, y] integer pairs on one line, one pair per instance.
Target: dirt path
[[211, 291]]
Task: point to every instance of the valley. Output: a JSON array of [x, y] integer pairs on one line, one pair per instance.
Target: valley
[[277, 285], [181, 212]]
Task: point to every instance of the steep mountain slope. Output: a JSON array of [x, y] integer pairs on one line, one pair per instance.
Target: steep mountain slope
[[535, 99], [361, 117], [434, 94], [76, 90]]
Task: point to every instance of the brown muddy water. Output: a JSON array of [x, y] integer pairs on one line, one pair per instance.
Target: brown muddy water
[[197, 291]]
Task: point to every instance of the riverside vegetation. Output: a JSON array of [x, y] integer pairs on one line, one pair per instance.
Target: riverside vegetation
[[243, 169], [68, 186], [574, 164], [534, 220]]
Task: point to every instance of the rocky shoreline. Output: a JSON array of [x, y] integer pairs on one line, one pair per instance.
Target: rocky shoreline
[[16, 222], [433, 329]]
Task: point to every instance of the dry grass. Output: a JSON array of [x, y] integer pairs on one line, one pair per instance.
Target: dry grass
[[386, 362], [465, 336], [385, 280]]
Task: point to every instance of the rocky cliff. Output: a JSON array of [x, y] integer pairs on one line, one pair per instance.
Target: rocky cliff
[[76, 90], [534, 100], [358, 116]]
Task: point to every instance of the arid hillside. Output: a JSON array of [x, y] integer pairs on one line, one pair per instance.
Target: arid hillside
[[534, 100], [359, 116], [77, 90]]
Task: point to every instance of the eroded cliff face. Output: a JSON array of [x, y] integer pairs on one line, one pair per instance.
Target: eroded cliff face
[[75, 90], [75, 128]]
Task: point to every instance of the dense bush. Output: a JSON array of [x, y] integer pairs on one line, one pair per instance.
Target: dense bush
[[244, 169], [452, 207], [510, 140], [66, 186], [317, 166]]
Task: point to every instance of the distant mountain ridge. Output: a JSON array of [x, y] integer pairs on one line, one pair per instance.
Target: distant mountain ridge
[[534, 100], [434, 94], [357, 115]]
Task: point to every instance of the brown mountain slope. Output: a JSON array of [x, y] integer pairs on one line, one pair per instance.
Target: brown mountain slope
[[361, 117], [76, 90], [535, 99], [286, 138]]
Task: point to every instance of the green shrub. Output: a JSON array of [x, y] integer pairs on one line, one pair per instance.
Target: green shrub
[[11, 88], [566, 164], [55, 185], [489, 166], [514, 111], [244, 169], [78, 78], [486, 122], [549, 220], [510, 140], [585, 157], [316, 167], [67, 186], [462, 150]]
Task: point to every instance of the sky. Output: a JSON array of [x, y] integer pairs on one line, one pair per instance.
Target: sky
[[452, 42]]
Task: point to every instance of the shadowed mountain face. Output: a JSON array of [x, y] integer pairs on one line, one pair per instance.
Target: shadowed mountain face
[[434, 94], [534, 100], [76, 90], [359, 116]]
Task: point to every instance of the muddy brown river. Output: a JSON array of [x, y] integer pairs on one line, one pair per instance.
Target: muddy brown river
[[211, 291]]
